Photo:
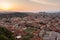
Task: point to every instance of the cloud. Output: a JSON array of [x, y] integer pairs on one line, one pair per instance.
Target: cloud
[[47, 2]]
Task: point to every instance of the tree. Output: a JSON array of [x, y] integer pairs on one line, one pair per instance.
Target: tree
[[6, 34]]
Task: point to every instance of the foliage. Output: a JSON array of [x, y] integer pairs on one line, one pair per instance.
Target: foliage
[[5, 34], [28, 36]]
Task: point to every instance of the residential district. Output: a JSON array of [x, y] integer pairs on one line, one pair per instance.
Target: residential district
[[33, 28]]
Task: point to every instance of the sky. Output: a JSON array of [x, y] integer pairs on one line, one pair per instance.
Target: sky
[[30, 5]]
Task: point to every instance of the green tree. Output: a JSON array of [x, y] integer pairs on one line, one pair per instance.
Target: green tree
[[6, 34]]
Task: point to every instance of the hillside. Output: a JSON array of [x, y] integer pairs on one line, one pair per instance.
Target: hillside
[[5, 34], [12, 14]]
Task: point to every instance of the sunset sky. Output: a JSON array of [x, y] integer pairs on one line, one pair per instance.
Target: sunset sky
[[29, 5]]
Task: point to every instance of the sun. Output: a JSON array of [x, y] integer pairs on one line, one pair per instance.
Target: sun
[[5, 6]]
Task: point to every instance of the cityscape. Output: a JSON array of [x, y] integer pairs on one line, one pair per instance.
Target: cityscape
[[32, 26], [29, 19]]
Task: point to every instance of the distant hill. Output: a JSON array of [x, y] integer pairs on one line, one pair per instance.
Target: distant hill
[[12, 14], [49, 14], [24, 14]]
